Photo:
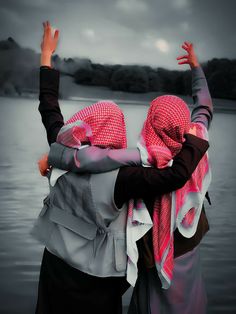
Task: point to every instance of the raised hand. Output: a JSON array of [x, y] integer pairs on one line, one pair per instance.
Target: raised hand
[[193, 130], [48, 44], [43, 165], [189, 58]]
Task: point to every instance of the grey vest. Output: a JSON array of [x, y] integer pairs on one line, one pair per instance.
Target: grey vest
[[81, 224]]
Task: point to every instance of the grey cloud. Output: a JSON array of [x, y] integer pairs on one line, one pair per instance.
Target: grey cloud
[[118, 31]]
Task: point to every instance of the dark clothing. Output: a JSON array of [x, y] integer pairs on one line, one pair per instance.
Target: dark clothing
[[186, 295], [49, 107], [66, 290]]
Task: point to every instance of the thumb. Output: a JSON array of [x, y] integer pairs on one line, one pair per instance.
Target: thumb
[[56, 34], [193, 130]]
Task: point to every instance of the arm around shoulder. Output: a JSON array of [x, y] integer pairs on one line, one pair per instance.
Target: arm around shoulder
[[140, 182], [91, 159]]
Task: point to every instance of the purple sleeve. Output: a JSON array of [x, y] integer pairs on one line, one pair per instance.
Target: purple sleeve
[[91, 159], [203, 108]]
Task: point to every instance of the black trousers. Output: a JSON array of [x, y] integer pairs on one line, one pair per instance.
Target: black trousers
[[65, 290]]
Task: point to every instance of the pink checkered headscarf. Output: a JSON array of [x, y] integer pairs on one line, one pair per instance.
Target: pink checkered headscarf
[[162, 136], [167, 121], [100, 124]]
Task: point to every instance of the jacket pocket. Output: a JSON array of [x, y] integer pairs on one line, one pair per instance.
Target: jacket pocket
[[120, 254], [74, 223]]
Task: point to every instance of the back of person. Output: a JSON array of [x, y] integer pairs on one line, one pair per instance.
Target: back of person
[[81, 224]]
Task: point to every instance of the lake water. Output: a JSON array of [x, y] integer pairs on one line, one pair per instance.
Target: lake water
[[23, 141]]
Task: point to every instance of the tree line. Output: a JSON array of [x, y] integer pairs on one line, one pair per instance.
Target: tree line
[[220, 74], [20, 71]]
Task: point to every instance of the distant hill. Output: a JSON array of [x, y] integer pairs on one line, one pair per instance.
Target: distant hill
[[8, 44], [19, 74], [19, 68]]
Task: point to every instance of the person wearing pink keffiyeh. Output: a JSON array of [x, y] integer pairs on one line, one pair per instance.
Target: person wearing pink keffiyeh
[[161, 139]]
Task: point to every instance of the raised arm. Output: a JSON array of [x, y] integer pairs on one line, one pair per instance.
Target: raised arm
[[143, 182], [49, 85], [91, 159], [203, 109]]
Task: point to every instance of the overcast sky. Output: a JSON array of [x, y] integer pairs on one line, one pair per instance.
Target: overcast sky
[[125, 31]]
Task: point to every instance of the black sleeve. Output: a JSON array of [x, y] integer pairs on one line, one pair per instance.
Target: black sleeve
[[143, 182], [49, 107]]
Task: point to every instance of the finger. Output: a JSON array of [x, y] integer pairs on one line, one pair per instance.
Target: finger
[[48, 26], [43, 173], [183, 62], [190, 46], [56, 34], [185, 47], [42, 169], [182, 57], [40, 160], [188, 43]]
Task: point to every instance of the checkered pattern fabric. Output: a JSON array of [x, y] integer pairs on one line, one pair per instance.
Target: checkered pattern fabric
[[167, 121], [100, 124], [162, 136]]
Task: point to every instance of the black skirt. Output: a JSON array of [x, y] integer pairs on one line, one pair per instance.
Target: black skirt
[[65, 290]]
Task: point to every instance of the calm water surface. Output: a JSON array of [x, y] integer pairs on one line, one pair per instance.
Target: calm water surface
[[23, 141]]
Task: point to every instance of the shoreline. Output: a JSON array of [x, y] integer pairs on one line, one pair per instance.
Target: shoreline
[[228, 107], [69, 91]]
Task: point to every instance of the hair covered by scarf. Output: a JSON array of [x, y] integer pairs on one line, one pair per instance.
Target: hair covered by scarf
[[100, 124], [163, 132], [103, 124], [162, 136]]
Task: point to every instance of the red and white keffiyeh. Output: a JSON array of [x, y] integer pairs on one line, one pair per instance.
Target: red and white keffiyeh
[[103, 124], [162, 136], [100, 124]]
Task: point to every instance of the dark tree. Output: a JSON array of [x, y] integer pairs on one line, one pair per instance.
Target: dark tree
[[131, 79]]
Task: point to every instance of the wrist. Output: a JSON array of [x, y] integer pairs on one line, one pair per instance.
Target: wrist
[[46, 59], [194, 65]]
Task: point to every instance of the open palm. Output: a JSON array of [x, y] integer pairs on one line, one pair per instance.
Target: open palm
[[49, 41]]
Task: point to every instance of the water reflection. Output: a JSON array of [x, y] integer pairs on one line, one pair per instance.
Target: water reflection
[[23, 141]]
